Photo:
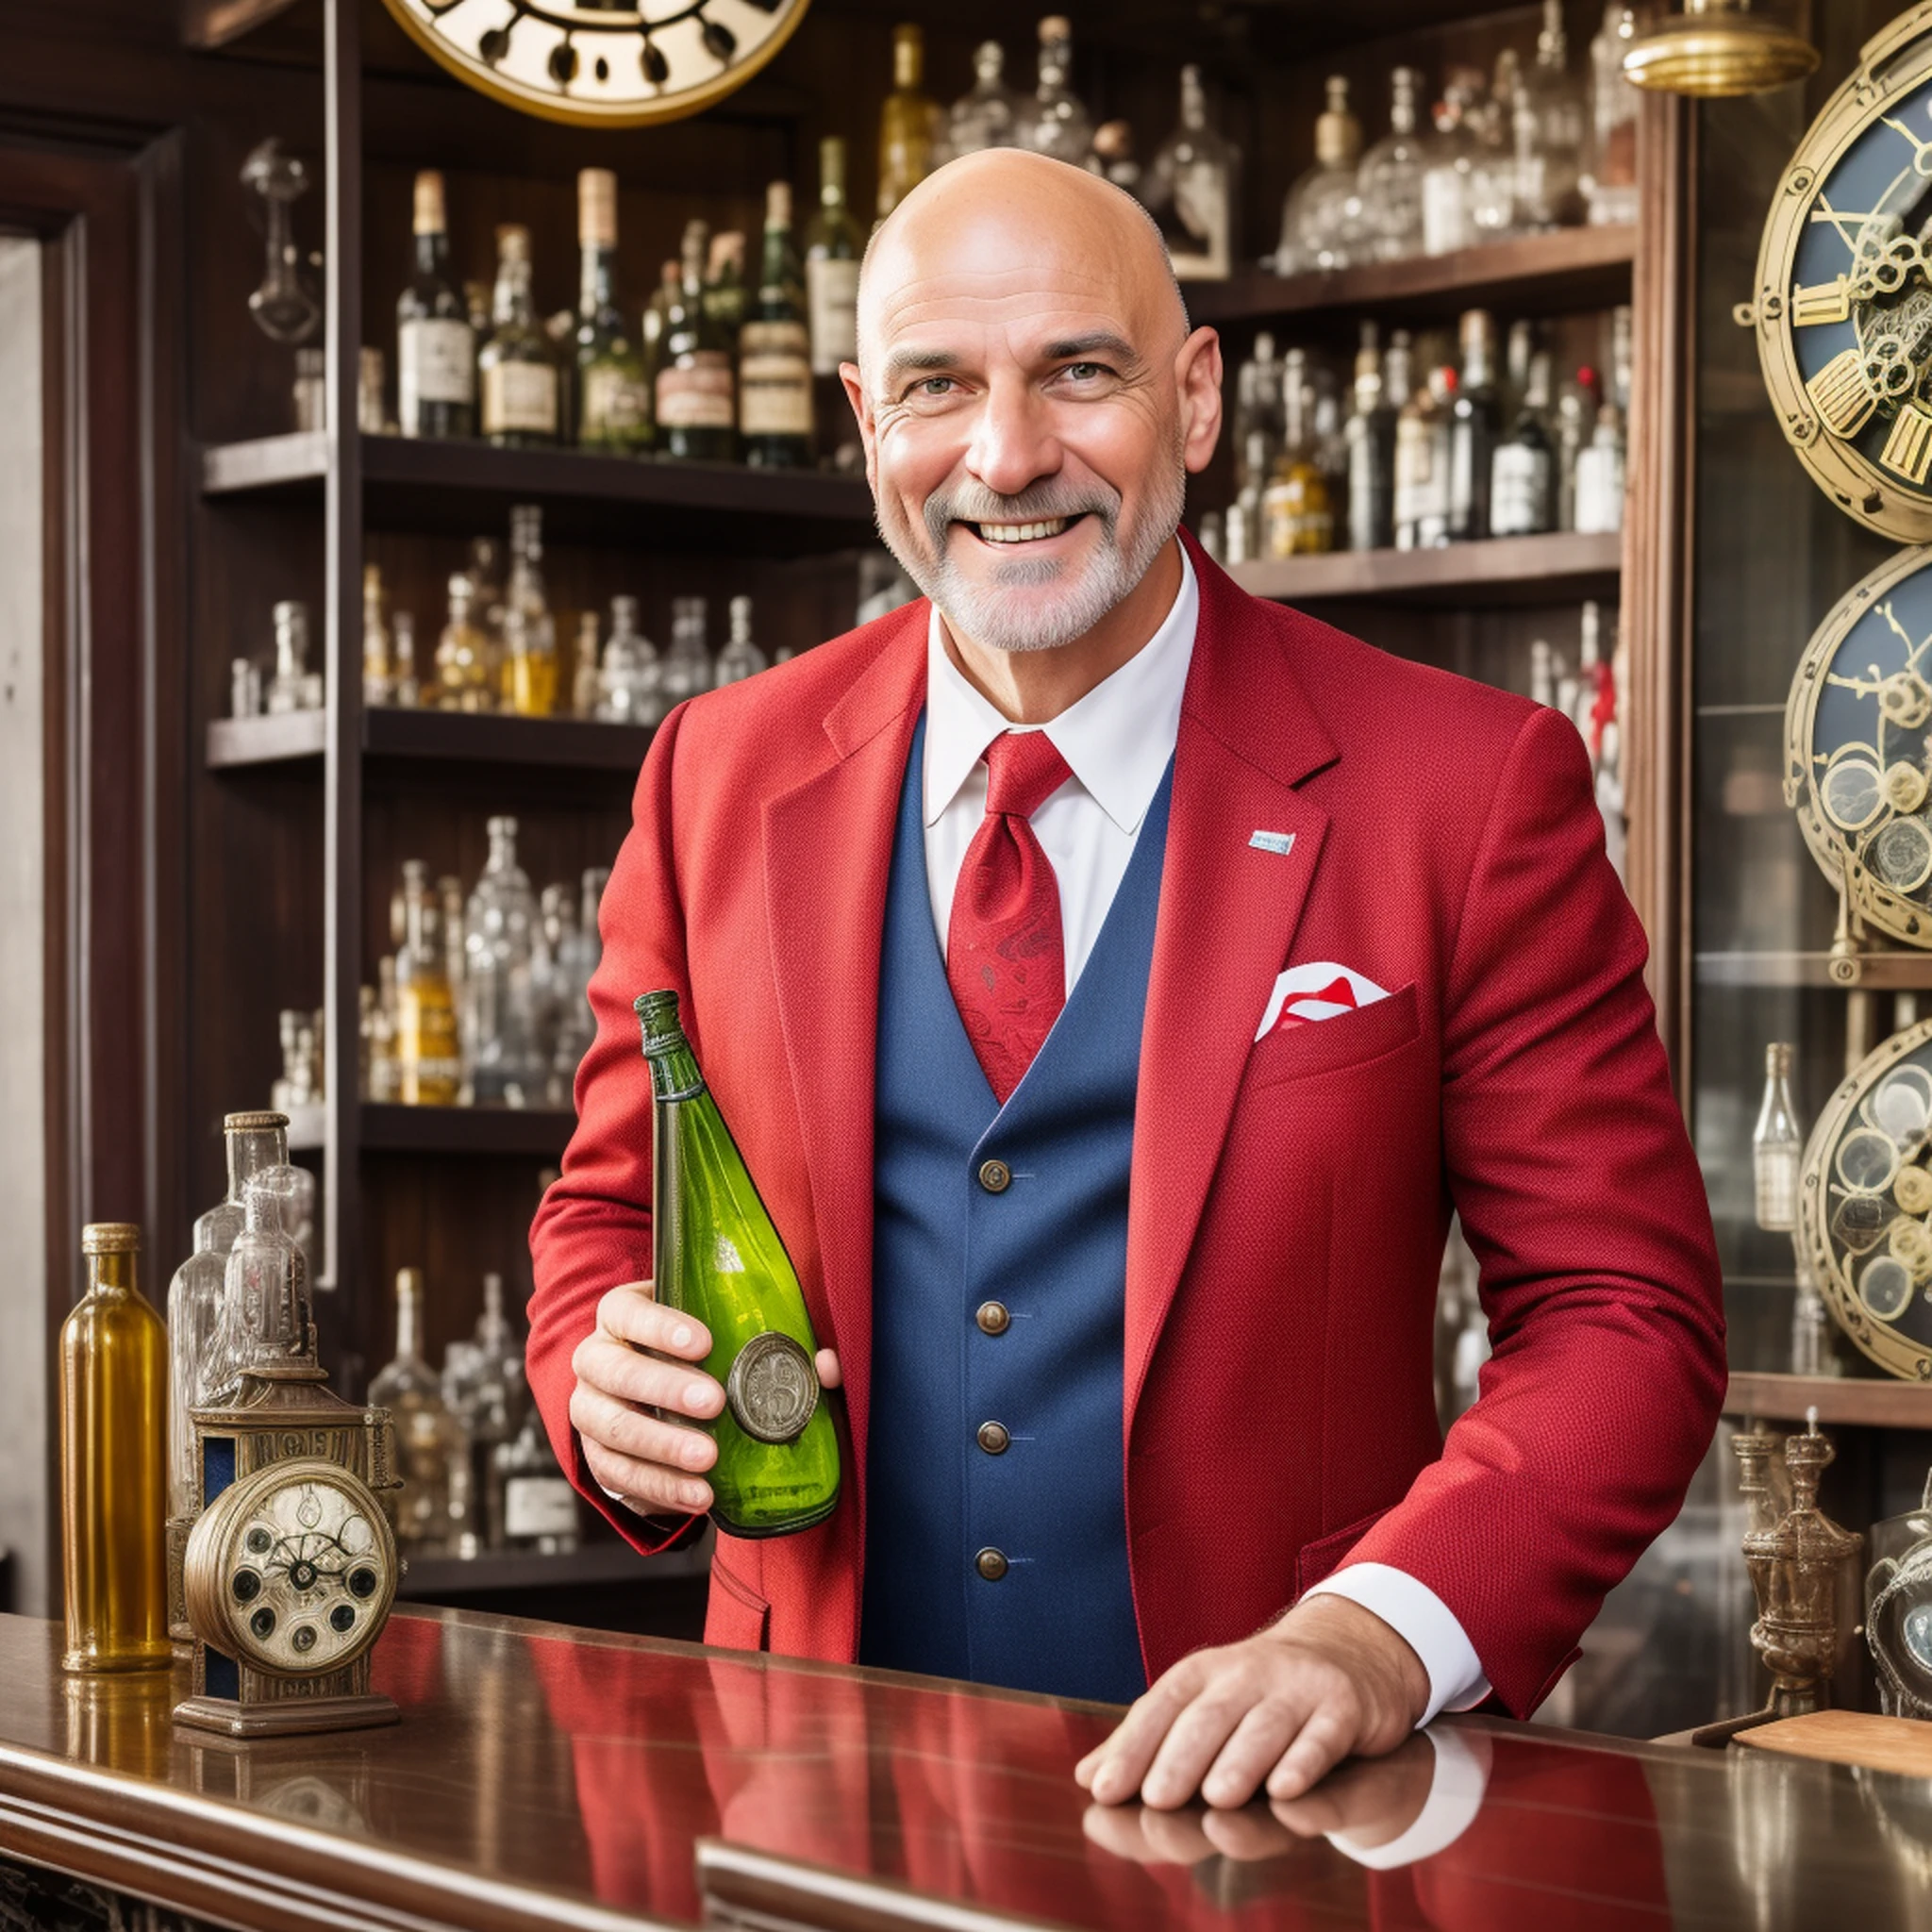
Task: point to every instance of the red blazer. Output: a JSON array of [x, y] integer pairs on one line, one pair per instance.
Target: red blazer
[[1290, 1198]]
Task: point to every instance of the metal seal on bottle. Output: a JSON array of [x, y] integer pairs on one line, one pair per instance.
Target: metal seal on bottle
[[773, 1388]]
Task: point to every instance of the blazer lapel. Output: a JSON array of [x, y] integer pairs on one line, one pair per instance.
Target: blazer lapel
[[1228, 912], [827, 853]]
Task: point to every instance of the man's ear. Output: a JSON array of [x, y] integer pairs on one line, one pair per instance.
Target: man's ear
[[861, 408], [1197, 379]]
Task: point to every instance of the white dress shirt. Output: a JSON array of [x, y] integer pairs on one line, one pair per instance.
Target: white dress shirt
[[1117, 742]]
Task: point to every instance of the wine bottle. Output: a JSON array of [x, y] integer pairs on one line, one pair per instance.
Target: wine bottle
[[717, 1255]]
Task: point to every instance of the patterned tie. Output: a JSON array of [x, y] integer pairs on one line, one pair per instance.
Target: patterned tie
[[1005, 958]]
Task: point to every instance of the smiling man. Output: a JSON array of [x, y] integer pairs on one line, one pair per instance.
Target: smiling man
[[1114, 982]]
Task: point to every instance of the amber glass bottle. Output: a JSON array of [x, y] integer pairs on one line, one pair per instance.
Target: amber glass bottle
[[113, 1463]]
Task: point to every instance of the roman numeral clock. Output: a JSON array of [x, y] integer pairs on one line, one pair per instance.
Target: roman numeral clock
[[598, 64]]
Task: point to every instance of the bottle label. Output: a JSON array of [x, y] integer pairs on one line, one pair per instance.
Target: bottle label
[[773, 1388], [520, 396], [697, 394], [538, 1505], [1519, 490], [436, 363], [1445, 211], [774, 379], [615, 403], [1599, 488], [832, 295]]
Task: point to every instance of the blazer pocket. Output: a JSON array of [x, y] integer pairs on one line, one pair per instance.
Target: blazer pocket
[[1321, 1558], [736, 1616], [1320, 1046]]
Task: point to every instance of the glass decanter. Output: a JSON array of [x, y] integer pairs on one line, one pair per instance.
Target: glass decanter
[[266, 1310], [283, 307], [1492, 171], [1609, 180], [578, 950], [462, 654], [499, 925], [1390, 176], [290, 689], [427, 1439], [1192, 188], [1449, 160], [987, 115], [1551, 119], [1056, 120], [629, 680], [740, 659], [1322, 220], [685, 669]]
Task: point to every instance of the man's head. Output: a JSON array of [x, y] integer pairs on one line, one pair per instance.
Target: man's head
[[1030, 397]]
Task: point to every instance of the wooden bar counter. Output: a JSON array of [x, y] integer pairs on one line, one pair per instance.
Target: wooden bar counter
[[543, 1777]]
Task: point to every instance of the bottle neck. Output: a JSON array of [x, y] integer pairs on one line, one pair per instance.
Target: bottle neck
[[674, 1071], [511, 304], [775, 272], [114, 1272], [597, 286], [251, 1151], [408, 1326], [432, 255]]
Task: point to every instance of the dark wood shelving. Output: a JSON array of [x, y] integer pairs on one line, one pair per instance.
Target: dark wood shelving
[[426, 485], [445, 1579], [537, 1131], [294, 736], [1569, 270], [562, 744], [1501, 570], [1858, 1401]]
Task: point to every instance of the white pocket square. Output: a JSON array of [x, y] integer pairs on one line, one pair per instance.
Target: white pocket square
[[1318, 990]]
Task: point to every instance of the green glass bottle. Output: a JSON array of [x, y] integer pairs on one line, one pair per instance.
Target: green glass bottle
[[717, 1255]]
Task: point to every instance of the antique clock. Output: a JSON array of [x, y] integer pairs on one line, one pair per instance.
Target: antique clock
[[1898, 1614], [1843, 304], [291, 1567], [602, 63]]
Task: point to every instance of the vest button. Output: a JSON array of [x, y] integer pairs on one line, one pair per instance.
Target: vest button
[[993, 1438], [995, 1177], [992, 1318], [991, 1564]]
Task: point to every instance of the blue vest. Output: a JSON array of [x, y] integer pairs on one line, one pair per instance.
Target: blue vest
[[1052, 1248]]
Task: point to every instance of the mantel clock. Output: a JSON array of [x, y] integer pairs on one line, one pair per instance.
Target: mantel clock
[[1843, 304]]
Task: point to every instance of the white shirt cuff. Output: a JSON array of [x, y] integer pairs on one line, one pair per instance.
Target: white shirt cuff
[[1424, 1623], [1455, 1795]]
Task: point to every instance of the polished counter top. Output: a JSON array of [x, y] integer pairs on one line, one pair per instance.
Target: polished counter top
[[558, 1778]]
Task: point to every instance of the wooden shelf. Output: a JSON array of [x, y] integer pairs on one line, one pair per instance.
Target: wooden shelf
[[423, 484], [537, 1131], [443, 1579], [1502, 569], [560, 744], [293, 737], [1847, 1400], [1570, 269], [1889, 972]]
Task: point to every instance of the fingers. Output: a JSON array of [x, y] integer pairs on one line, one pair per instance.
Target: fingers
[[1195, 1740], [611, 1368], [1251, 1752], [1322, 1743], [826, 1362], [649, 1487], [631, 1314], [1113, 1772]]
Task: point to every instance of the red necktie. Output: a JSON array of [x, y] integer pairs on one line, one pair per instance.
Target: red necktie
[[1005, 958]]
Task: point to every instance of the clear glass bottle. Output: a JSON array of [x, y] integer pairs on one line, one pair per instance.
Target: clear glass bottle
[[910, 121], [1422, 462], [740, 659], [522, 395], [1390, 177], [1551, 116], [1055, 121], [1191, 189], [1322, 224], [613, 405], [528, 628], [244, 689], [1297, 519], [378, 674], [1257, 410], [1449, 159], [499, 932], [583, 675], [1777, 1145], [114, 1463], [774, 398], [1601, 475], [1476, 422], [462, 654], [578, 948], [686, 667], [291, 687], [1523, 472], [384, 1075], [630, 678], [406, 691], [436, 348], [987, 115], [651, 332], [538, 1508], [833, 243], [1491, 186], [451, 899], [1371, 435], [1610, 179], [484, 568], [427, 1439], [429, 1065], [266, 1313], [696, 411]]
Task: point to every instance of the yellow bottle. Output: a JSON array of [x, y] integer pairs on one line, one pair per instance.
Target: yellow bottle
[[533, 681], [909, 123], [429, 1062], [113, 1463], [1297, 519]]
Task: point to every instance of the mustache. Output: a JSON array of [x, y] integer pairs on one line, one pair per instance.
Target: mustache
[[1039, 503]]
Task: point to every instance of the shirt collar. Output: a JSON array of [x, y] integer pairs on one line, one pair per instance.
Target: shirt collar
[[1117, 741]]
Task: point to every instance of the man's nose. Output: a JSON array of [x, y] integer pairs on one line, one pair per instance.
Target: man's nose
[[1013, 443]]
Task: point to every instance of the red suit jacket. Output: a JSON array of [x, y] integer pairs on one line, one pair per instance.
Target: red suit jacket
[[1290, 1198]]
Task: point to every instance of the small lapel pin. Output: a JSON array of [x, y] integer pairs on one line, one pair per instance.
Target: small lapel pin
[[1282, 843]]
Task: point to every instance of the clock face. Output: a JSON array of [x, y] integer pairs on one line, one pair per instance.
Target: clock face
[[1843, 308], [1858, 746], [295, 1567], [601, 62]]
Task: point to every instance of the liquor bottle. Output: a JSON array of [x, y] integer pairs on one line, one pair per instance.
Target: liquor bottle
[[427, 1439], [583, 677], [538, 1509], [499, 927], [378, 673], [695, 415], [450, 900], [113, 1463], [1609, 178], [436, 348], [462, 654], [517, 368], [1476, 423], [291, 687], [1523, 472], [385, 1070], [613, 407], [987, 115], [1241, 527], [651, 332], [429, 1067], [1370, 433], [578, 951], [1055, 121], [717, 1255], [1258, 407], [484, 568], [406, 691], [1551, 115], [483, 1386], [1296, 516], [1390, 177], [529, 630], [1492, 158], [1777, 1146], [629, 680], [1322, 219], [1448, 159], [267, 1317], [685, 669], [910, 121], [1601, 469], [1192, 191], [725, 291], [774, 400], [833, 244], [740, 659], [1422, 463], [1573, 424]]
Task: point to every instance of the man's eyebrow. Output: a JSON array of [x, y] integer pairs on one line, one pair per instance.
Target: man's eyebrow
[[917, 361], [1101, 342]]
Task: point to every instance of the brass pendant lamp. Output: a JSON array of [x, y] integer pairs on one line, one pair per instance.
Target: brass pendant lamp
[[1717, 47]]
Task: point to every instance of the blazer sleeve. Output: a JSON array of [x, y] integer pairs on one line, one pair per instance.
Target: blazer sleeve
[[1568, 1161], [593, 1230]]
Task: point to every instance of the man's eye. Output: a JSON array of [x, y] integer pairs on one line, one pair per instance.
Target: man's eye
[[934, 386], [1084, 372]]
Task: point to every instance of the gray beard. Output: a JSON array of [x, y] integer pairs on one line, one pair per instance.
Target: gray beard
[[985, 613]]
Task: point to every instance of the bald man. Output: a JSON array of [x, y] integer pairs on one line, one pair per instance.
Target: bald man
[[1114, 982]]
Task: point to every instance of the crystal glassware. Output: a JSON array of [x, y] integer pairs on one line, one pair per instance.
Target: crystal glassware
[[987, 115], [630, 679], [685, 669], [1551, 116], [427, 1439], [740, 659], [1323, 226], [1055, 121], [290, 689], [462, 654], [1777, 1146], [1192, 188], [1390, 177], [499, 937], [1609, 177], [1449, 159], [284, 309]]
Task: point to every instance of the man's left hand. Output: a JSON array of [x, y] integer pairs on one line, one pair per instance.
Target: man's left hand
[[1330, 1680]]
